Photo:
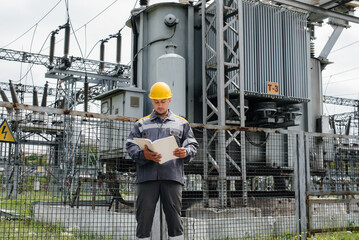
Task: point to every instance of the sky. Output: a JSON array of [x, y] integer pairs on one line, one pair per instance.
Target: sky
[[340, 78], [25, 25]]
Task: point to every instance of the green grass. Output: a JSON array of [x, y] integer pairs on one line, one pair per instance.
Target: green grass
[[322, 236], [28, 228], [336, 236], [22, 204]]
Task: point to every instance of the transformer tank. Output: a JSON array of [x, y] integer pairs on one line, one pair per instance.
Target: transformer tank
[[166, 47]]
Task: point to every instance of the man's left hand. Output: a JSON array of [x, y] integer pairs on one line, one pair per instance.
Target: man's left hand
[[180, 152]]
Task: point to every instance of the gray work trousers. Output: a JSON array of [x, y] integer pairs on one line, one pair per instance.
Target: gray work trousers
[[148, 193]]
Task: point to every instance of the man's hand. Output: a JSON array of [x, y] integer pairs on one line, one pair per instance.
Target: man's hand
[[180, 152], [152, 156]]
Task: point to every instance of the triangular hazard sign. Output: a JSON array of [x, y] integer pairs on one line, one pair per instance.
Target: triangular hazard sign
[[5, 133]]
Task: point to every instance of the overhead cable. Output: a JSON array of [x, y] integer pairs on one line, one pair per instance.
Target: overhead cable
[[111, 35], [97, 15], [345, 46], [35, 25], [345, 80], [349, 70], [27, 72]]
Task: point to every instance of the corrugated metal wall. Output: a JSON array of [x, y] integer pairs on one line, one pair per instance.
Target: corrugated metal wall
[[296, 54], [276, 49], [263, 41]]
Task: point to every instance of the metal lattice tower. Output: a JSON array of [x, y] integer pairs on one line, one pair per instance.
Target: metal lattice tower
[[77, 64], [71, 73], [348, 119], [341, 101], [221, 67], [74, 70]]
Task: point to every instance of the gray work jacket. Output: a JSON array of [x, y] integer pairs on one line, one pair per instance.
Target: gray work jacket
[[153, 127]]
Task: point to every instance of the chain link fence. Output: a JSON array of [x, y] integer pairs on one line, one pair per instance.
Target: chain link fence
[[333, 178], [68, 176]]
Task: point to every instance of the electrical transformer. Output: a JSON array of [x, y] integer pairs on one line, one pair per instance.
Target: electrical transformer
[[166, 46]]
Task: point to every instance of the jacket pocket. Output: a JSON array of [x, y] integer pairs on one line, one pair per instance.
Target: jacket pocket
[[146, 133], [176, 133]]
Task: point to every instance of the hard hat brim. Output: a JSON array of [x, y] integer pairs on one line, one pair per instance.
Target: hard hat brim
[[157, 98]]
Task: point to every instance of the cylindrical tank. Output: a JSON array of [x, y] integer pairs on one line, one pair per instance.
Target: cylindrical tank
[[155, 27], [171, 69]]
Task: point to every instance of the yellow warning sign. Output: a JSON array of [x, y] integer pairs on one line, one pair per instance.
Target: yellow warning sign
[[5, 133]]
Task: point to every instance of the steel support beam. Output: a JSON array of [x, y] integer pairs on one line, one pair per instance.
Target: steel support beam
[[28, 88], [341, 101], [319, 10], [204, 107], [76, 63], [221, 105], [338, 29], [241, 101], [222, 28], [301, 188]]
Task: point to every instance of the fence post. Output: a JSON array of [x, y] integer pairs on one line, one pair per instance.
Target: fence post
[[308, 182], [300, 192]]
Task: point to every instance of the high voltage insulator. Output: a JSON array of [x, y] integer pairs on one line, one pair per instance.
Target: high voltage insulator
[[119, 43], [35, 100], [14, 96], [86, 93], [118, 49], [5, 99], [144, 2], [67, 40], [44, 96], [3, 96], [347, 126], [102, 56], [52, 47]]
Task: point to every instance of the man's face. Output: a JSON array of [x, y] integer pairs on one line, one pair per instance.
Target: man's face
[[161, 105]]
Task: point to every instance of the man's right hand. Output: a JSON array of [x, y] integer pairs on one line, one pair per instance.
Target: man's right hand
[[153, 156]]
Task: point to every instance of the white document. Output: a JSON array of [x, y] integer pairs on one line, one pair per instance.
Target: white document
[[164, 146]]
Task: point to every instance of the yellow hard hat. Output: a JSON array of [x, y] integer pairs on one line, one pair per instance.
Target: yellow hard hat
[[160, 90]]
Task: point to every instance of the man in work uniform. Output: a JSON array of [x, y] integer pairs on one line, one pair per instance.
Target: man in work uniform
[[156, 180]]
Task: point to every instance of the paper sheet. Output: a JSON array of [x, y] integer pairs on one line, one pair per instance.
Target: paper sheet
[[164, 146]]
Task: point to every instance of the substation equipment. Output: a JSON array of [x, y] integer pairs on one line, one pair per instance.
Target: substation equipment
[[78, 81], [228, 63], [205, 52]]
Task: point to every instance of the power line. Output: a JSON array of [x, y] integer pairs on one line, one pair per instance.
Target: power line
[[32, 64], [85, 40], [96, 16], [88, 55], [111, 34], [72, 28], [349, 70], [327, 85], [345, 80], [35, 25], [32, 41], [345, 46]]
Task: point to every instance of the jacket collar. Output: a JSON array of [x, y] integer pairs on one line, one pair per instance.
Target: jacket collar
[[170, 116]]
